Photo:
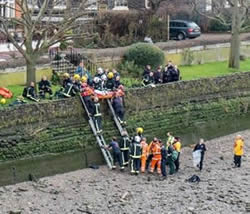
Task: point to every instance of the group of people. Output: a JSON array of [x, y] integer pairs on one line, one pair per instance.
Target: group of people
[[170, 73], [144, 156]]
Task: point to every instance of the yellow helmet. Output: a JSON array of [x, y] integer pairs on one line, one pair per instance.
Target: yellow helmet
[[84, 79], [110, 75], [66, 75], [3, 101], [139, 130], [77, 77]]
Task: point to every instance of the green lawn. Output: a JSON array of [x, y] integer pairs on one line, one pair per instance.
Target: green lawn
[[211, 70], [187, 73], [17, 90]]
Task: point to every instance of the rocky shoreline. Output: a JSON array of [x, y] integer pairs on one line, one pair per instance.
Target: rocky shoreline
[[223, 189]]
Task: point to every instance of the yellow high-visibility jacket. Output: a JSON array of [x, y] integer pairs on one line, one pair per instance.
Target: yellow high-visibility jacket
[[238, 147], [177, 146]]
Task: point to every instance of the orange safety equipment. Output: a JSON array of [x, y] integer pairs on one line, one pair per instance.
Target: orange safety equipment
[[87, 91], [5, 93], [144, 155], [156, 160]]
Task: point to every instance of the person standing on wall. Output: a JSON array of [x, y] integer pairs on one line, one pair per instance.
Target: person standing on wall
[[202, 147], [238, 150], [177, 147]]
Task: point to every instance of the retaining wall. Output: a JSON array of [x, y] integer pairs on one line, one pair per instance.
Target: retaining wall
[[55, 127]]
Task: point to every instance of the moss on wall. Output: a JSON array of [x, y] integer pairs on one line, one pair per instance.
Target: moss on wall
[[61, 126]]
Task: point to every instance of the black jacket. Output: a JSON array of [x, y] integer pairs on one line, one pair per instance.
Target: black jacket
[[43, 84]]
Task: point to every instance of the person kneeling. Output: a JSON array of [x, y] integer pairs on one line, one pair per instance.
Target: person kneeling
[[44, 87]]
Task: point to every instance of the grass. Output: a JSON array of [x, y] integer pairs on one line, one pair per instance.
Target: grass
[[17, 90], [187, 72], [211, 70]]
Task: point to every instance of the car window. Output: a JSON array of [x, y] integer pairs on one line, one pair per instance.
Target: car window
[[172, 24], [181, 24], [193, 25]]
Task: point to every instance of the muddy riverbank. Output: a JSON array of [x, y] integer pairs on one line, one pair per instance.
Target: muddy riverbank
[[222, 189]]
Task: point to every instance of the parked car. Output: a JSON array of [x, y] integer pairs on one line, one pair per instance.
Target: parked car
[[181, 29]]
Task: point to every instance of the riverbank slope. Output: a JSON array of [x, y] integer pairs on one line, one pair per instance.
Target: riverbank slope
[[222, 189]]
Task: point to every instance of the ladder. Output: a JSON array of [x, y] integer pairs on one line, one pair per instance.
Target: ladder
[[117, 122], [99, 137]]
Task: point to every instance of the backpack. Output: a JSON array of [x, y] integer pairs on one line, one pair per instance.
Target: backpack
[[174, 155], [25, 91], [194, 179]]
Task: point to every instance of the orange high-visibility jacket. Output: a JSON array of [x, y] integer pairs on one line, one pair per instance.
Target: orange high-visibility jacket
[[156, 150], [150, 147], [144, 146]]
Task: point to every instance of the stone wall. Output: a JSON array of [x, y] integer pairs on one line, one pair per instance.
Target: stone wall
[[187, 107]]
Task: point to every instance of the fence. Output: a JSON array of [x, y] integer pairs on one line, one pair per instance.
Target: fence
[[67, 62]]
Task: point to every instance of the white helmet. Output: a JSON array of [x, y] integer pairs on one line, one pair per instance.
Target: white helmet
[[137, 139], [96, 79], [104, 77], [100, 70]]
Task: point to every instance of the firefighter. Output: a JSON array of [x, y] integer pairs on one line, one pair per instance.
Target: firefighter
[[86, 93], [97, 83], [110, 83], [135, 154], [117, 155], [124, 146], [156, 159], [97, 115], [117, 104], [30, 92], [148, 79], [117, 81], [238, 150], [144, 155], [177, 147], [139, 132], [66, 80], [44, 87]]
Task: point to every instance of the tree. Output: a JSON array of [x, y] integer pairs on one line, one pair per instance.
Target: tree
[[43, 30], [232, 13]]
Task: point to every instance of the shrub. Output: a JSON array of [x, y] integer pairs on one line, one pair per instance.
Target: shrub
[[143, 54], [129, 68]]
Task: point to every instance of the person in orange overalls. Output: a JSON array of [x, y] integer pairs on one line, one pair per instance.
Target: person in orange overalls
[[150, 153], [144, 155], [156, 160]]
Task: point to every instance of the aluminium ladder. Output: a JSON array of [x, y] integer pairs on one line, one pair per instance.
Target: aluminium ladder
[[99, 137], [117, 121]]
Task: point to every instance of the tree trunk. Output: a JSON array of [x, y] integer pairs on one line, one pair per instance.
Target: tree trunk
[[31, 71], [234, 57]]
